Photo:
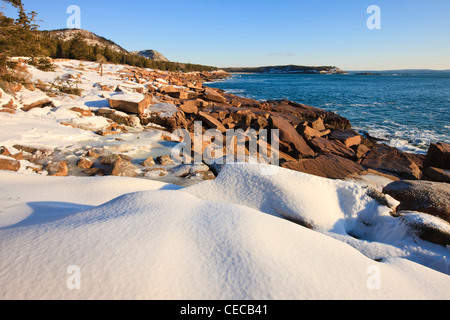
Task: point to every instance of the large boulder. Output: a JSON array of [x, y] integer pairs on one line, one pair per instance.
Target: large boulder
[[437, 174], [9, 164], [336, 147], [327, 166], [348, 137], [123, 168], [386, 158], [290, 138], [438, 156], [213, 95], [130, 103], [423, 196], [427, 227], [57, 169], [211, 122]]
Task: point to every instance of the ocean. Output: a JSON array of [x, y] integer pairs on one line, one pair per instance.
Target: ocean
[[408, 111]]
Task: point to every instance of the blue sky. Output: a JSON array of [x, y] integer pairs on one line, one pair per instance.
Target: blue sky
[[413, 34]]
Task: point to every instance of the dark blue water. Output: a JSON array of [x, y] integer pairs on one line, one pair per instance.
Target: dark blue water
[[409, 111]]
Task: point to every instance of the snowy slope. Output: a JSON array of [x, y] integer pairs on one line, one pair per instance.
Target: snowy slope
[[170, 244], [343, 210]]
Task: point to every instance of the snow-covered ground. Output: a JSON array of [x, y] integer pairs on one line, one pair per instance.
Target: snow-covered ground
[[216, 240], [245, 235]]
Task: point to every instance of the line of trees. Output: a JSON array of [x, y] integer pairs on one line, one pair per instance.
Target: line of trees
[[20, 37]]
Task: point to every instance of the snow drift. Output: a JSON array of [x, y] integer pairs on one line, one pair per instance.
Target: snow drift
[[176, 244]]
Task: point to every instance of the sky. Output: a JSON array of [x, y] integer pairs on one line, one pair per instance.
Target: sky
[[413, 34]]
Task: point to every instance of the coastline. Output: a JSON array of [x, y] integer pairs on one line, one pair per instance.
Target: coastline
[[406, 122]]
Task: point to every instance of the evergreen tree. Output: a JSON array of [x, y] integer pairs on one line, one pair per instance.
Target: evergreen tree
[[59, 50]]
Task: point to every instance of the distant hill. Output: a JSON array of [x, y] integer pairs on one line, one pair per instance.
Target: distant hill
[[294, 69], [91, 38], [152, 55]]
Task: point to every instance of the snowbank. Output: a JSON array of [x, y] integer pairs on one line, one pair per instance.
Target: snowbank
[[347, 211], [170, 244]]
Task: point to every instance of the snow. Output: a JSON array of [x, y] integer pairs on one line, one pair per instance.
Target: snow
[[252, 233], [157, 241], [341, 209], [136, 97]]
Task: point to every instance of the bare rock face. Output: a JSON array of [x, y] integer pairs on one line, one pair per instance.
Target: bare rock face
[[392, 160], [212, 122], [437, 174], [348, 137], [327, 166], [336, 147], [423, 196], [212, 95], [438, 156], [291, 139]]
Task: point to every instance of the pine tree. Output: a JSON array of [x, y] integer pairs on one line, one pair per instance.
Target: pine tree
[[59, 50]]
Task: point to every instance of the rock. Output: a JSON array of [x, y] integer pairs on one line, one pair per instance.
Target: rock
[[120, 117], [123, 168], [109, 160], [180, 95], [18, 156], [302, 112], [4, 152], [427, 227], [437, 174], [438, 156], [327, 166], [361, 150], [83, 111], [212, 95], [310, 133], [336, 147], [94, 172], [292, 138], [42, 103], [165, 160], [182, 171], [190, 106], [386, 158], [149, 162], [57, 169], [204, 175], [8, 111], [155, 172], [200, 167], [9, 164], [85, 164], [423, 196], [318, 125], [177, 121], [172, 89], [131, 103], [349, 137], [212, 122], [9, 105], [92, 154]]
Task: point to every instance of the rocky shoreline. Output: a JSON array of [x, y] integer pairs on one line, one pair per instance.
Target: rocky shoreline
[[311, 140]]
